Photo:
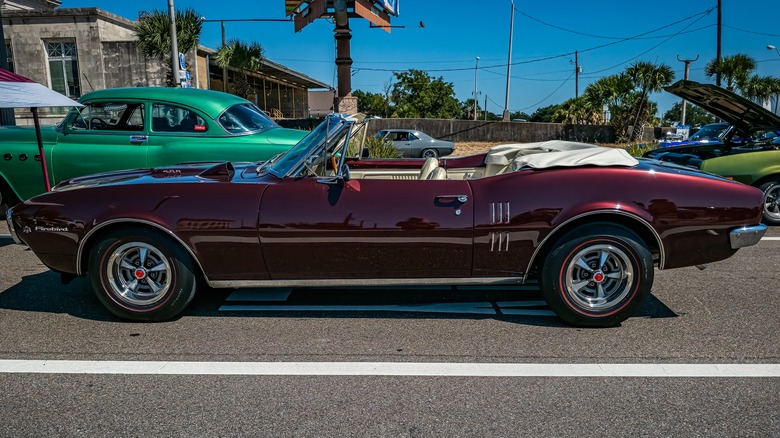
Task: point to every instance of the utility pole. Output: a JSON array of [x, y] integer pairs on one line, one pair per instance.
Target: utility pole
[[224, 69], [174, 44], [577, 71], [720, 34], [476, 71], [509, 62], [687, 70], [6, 114], [484, 109]]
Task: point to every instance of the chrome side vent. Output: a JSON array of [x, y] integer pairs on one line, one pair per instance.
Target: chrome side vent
[[499, 241], [499, 213]]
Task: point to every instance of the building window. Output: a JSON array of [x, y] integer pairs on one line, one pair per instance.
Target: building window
[[10, 53], [63, 67]]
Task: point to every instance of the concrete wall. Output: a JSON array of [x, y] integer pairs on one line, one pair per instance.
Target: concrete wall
[[469, 130]]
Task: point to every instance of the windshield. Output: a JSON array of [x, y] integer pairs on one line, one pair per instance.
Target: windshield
[[710, 132], [325, 131], [244, 118]]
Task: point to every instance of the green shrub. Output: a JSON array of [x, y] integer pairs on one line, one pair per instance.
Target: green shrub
[[639, 149], [381, 148]]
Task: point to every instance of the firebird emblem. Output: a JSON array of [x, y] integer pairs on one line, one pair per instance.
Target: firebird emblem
[[172, 172]]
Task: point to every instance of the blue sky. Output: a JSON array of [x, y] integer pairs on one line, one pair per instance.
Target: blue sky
[[608, 34]]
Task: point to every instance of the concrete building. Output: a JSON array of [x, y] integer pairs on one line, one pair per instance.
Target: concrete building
[[75, 51]]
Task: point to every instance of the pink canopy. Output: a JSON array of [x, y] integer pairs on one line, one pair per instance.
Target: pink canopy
[[19, 92]]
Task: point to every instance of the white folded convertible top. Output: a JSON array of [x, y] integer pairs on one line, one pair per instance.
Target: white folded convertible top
[[554, 153]]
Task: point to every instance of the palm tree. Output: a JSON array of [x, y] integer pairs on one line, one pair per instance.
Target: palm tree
[[243, 58], [735, 70], [154, 36], [649, 78]]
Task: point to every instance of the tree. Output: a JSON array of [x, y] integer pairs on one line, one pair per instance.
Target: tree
[[761, 88], [154, 36], [243, 58], [694, 115], [648, 78], [416, 94], [735, 70], [544, 114], [373, 104], [519, 115]]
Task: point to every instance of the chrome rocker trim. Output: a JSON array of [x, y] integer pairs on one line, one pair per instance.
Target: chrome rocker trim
[[477, 281], [746, 236]]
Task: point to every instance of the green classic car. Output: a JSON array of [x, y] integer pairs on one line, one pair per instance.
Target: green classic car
[[749, 151], [127, 128]]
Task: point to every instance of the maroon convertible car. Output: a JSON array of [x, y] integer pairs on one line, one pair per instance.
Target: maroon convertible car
[[589, 223]]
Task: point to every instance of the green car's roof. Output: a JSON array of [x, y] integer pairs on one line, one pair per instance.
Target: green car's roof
[[209, 101]]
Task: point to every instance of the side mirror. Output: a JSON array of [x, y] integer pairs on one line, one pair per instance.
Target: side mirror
[[365, 153], [344, 172]]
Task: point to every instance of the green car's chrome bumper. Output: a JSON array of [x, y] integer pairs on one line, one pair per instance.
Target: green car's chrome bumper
[[11, 228], [746, 236]]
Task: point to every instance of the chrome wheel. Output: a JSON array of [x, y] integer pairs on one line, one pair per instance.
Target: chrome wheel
[[598, 277], [138, 274], [430, 153], [771, 202]]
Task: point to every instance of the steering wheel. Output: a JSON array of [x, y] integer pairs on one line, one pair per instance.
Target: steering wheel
[[99, 125]]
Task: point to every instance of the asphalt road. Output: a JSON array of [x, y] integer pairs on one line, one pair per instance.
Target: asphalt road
[[726, 314]]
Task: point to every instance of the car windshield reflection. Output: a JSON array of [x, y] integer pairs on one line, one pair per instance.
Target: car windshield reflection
[[309, 146], [245, 118]]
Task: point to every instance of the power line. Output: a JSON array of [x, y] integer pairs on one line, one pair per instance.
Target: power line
[[601, 36], [549, 95], [651, 48], [753, 32]]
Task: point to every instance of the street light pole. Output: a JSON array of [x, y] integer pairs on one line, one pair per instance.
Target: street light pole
[[720, 34], [476, 71], [687, 70], [174, 44], [509, 62]]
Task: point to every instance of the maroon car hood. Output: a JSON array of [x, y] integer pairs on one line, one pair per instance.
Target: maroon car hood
[[188, 172]]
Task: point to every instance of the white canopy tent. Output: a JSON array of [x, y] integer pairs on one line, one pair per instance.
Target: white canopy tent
[[19, 92]]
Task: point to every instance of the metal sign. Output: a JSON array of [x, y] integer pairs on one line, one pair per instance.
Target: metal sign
[[390, 6], [292, 6]]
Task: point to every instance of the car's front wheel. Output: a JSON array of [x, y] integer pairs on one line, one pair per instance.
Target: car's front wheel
[[597, 276], [771, 191], [429, 153], [141, 274]]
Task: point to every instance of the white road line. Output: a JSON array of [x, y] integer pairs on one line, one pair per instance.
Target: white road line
[[388, 369], [770, 238]]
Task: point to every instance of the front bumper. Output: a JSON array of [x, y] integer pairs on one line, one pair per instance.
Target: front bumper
[[11, 227], [746, 236]]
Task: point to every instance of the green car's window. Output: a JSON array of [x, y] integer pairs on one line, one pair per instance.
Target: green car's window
[[108, 116], [171, 118], [242, 118]]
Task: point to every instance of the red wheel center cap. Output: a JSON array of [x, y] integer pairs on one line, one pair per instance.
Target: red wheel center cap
[[140, 273], [598, 277]]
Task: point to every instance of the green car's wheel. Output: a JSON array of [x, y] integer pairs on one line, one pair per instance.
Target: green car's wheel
[[141, 274], [597, 275], [771, 191]]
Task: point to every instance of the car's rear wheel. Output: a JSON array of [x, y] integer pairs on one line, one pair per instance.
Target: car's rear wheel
[[771, 191], [141, 274], [429, 153], [597, 275]]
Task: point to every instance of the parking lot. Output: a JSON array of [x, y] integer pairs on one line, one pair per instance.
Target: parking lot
[[725, 315]]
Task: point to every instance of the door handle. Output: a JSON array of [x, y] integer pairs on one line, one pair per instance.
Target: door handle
[[139, 138], [460, 198]]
